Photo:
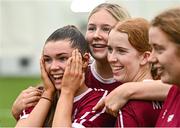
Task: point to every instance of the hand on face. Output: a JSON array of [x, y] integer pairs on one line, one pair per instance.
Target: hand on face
[[73, 75], [48, 85]]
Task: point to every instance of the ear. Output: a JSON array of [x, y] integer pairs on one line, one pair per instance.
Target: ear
[[85, 60], [145, 57]]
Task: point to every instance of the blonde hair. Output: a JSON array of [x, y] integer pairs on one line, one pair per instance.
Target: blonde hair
[[118, 12]]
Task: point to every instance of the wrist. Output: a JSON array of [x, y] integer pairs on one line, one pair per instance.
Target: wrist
[[48, 94], [67, 93]]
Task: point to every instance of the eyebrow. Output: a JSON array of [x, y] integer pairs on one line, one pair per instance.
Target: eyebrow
[[118, 47], [104, 25], [60, 54], [121, 48]]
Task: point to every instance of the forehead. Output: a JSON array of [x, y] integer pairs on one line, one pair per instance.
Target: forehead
[[157, 36], [102, 17], [118, 38], [58, 47]]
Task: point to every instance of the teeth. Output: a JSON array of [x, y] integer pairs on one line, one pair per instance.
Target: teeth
[[99, 45], [57, 76], [117, 68]]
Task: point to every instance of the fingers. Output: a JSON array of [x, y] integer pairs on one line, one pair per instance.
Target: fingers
[[77, 60], [31, 89], [32, 100], [99, 105], [32, 96], [43, 71], [68, 68], [111, 111], [31, 104]]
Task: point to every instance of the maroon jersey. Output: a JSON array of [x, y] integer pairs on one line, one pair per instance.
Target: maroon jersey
[[139, 114], [94, 80], [170, 114], [82, 115], [25, 113]]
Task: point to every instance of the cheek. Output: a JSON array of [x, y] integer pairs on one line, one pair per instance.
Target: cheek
[[47, 67], [106, 37], [131, 63], [88, 37], [162, 59], [63, 66]]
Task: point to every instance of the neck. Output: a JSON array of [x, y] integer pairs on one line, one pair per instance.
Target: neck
[[143, 74], [103, 69], [81, 90]]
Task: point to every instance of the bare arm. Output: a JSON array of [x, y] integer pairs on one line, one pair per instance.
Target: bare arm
[[43, 106], [40, 110], [151, 90], [71, 82], [27, 98]]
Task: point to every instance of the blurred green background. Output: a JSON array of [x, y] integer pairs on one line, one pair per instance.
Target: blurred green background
[[10, 87]]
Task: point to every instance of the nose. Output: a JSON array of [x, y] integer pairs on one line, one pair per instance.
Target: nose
[[97, 34], [152, 58], [112, 57], [55, 65]]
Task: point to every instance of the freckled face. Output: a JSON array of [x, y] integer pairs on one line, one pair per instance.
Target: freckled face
[[55, 55], [124, 59]]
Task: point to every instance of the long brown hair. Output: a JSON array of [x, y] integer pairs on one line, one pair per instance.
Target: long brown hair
[[77, 40], [169, 22]]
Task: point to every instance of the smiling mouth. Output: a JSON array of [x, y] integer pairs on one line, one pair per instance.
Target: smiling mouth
[[99, 45]]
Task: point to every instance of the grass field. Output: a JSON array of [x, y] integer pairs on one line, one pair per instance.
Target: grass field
[[10, 87]]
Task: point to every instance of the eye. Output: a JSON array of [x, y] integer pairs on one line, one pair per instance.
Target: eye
[[110, 49], [91, 28], [63, 58], [106, 29], [47, 59], [121, 51], [158, 49]]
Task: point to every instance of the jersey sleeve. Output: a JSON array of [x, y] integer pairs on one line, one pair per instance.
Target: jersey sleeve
[[25, 113]]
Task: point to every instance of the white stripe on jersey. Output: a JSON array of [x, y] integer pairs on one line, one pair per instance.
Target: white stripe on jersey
[[95, 116], [121, 119], [24, 116], [104, 95], [82, 117], [82, 121], [76, 125], [103, 110], [85, 116]]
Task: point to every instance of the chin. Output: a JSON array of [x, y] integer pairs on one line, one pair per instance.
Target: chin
[[117, 78], [58, 87], [166, 79]]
